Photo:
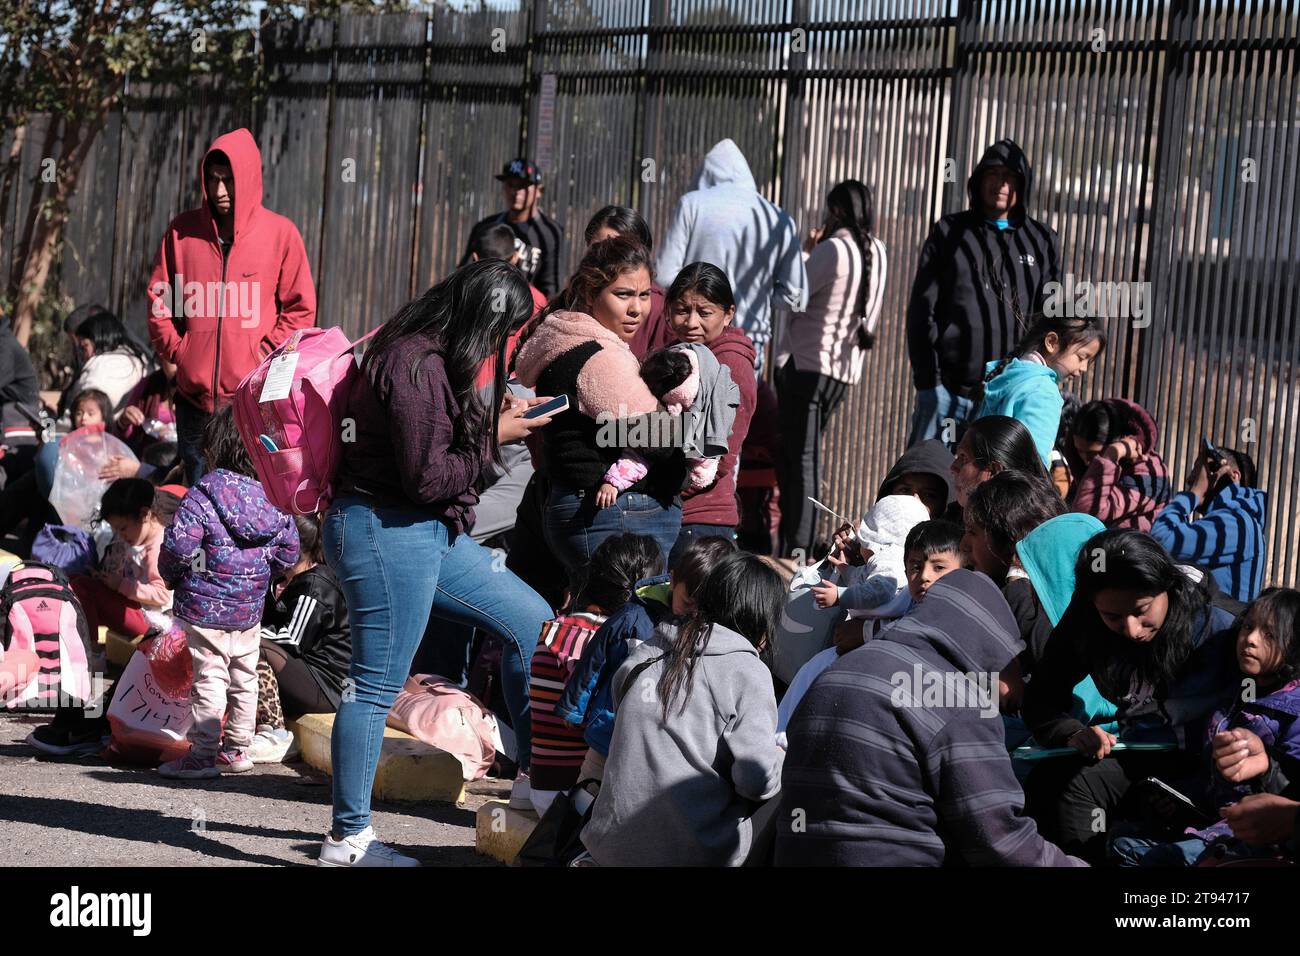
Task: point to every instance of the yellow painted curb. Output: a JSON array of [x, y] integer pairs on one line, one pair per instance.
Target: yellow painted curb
[[409, 769], [500, 832]]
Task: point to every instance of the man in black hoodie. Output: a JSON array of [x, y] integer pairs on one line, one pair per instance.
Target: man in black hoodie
[[979, 280], [897, 756]]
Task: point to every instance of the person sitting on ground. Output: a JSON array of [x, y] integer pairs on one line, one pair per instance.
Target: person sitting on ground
[[1228, 536], [127, 594], [685, 378], [925, 472], [694, 754], [1252, 744], [306, 646], [1026, 385], [114, 363], [1118, 476], [877, 577], [609, 583], [992, 444], [1145, 630], [932, 549], [588, 699], [930, 784]]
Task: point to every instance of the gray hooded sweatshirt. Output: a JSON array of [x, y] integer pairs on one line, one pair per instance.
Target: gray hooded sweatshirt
[[681, 793], [724, 220]]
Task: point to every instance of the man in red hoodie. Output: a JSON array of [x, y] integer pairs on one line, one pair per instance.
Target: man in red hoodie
[[230, 283]]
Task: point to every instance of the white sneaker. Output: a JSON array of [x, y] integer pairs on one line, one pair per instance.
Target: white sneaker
[[361, 849], [270, 744], [521, 794]]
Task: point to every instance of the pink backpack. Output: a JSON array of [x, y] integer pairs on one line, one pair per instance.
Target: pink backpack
[[432, 709], [40, 613], [295, 437]]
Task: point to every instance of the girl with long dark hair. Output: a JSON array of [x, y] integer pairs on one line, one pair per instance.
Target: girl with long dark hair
[[1146, 632], [396, 534], [990, 446], [113, 362], [822, 350], [694, 751]]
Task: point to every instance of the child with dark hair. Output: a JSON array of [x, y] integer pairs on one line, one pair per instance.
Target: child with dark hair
[[609, 582], [694, 755], [1252, 744], [499, 242], [1217, 523], [1026, 385], [690, 382], [931, 549], [126, 594], [91, 407], [587, 700], [999, 513], [219, 555], [306, 646], [1118, 475]]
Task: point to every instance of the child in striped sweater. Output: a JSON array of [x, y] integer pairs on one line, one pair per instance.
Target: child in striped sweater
[[558, 748]]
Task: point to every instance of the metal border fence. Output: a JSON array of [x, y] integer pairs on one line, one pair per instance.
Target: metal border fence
[[1163, 135]]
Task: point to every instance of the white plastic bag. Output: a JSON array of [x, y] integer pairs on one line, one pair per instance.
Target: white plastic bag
[[77, 486]]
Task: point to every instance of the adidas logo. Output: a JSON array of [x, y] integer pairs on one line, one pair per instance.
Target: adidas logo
[[42, 606]]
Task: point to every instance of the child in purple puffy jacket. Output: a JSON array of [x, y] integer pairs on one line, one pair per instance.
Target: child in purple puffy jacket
[[224, 546]]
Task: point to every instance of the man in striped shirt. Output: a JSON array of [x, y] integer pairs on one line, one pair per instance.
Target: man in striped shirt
[[897, 755]]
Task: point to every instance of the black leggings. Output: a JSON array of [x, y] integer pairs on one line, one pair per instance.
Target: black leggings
[[299, 692], [1075, 801]]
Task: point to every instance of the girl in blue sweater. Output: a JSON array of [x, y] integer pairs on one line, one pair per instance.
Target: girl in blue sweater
[[1026, 385]]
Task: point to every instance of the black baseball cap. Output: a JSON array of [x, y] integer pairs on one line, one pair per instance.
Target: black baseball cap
[[521, 168]]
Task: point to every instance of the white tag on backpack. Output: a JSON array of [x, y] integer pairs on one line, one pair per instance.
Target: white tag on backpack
[[279, 378]]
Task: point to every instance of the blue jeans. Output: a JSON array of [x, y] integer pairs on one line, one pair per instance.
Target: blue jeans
[[190, 423], [693, 532], [575, 527], [397, 568], [934, 406]]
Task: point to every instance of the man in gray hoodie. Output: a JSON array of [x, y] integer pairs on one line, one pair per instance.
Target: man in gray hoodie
[[725, 221]]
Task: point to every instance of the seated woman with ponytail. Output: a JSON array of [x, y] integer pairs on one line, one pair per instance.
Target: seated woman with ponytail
[[1026, 385], [1144, 629], [578, 346], [694, 753]]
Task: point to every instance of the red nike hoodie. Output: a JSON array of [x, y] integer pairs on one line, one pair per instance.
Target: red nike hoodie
[[217, 316]]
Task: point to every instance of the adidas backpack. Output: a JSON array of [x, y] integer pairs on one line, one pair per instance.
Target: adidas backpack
[[39, 612], [289, 412]]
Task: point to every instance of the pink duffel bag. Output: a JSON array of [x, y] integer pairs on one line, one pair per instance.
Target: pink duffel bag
[[433, 710]]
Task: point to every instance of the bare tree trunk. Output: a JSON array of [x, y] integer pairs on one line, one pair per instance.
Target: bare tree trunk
[[24, 248], [48, 233], [10, 173]]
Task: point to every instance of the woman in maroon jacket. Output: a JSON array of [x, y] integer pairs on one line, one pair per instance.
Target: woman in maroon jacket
[[396, 534], [701, 308]]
